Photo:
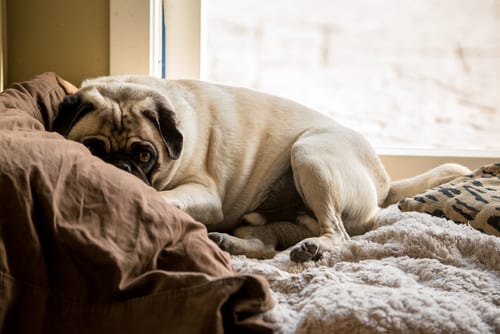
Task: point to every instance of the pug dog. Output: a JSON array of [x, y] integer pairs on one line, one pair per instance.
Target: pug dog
[[263, 173]]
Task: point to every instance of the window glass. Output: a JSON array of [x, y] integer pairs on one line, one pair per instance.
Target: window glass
[[405, 73]]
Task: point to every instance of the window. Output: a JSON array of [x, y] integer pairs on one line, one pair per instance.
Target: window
[[407, 74], [392, 69]]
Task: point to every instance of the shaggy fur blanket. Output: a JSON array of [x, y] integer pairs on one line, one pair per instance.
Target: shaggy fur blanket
[[413, 273]]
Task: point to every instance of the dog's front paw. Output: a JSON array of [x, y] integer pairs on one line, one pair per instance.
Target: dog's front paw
[[216, 237], [305, 251], [223, 240], [248, 247], [174, 202]]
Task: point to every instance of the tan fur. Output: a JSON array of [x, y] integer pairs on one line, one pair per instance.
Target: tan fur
[[298, 178]]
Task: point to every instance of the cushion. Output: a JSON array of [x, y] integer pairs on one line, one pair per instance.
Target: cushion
[[471, 199], [88, 248], [33, 104]]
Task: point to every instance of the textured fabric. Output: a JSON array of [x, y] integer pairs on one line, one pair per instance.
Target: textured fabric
[[413, 273], [87, 248], [471, 199]]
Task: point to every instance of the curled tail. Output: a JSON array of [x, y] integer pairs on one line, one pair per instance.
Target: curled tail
[[411, 186]]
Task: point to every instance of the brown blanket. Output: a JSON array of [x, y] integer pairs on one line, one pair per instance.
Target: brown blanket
[[85, 247]]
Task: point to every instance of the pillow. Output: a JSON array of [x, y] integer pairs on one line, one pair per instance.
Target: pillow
[[33, 104], [88, 248], [471, 199]]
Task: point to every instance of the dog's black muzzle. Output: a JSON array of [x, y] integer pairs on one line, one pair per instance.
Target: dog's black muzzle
[[126, 163]]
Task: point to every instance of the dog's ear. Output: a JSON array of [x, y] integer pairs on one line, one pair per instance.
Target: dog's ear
[[164, 120], [71, 109]]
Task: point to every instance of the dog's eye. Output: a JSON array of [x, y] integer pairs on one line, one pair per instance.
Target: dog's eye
[[144, 157], [144, 153], [96, 146]]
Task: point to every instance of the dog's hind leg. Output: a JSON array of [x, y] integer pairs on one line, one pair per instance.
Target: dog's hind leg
[[338, 184], [410, 187]]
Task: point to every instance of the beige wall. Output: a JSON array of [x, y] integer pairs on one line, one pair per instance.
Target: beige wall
[[70, 38]]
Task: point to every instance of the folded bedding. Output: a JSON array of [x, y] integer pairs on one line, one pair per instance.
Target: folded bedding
[[86, 247]]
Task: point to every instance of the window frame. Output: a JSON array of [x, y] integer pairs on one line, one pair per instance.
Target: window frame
[[3, 43], [132, 51]]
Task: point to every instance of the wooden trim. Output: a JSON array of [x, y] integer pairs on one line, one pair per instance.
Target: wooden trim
[[402, 166]]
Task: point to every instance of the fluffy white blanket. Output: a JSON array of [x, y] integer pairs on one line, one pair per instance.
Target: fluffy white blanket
[[412, 273]]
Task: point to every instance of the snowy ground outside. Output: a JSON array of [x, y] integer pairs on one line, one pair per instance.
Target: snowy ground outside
[[422, 74]]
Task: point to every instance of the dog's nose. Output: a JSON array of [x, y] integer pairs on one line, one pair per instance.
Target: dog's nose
[[123, 165]]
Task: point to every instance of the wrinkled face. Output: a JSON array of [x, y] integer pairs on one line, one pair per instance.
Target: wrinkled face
[[126, 125]]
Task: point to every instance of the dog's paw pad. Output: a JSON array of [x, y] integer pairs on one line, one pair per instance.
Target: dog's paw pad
[[305, 251]]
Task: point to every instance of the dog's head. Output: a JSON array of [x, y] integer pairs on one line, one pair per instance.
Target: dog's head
[[130, 126]]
